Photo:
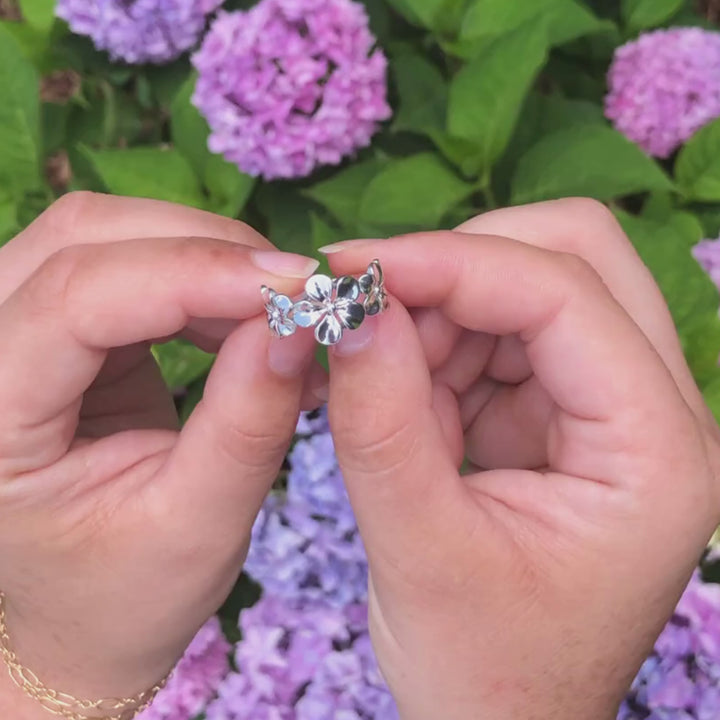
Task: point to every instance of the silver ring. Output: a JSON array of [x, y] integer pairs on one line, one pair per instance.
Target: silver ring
[[330, 305]]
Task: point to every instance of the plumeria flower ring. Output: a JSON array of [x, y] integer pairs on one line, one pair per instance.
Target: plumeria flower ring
[[372, 284], [330, 305], [278, 308]]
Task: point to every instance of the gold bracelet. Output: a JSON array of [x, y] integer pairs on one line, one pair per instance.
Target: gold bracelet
[[64, 704]]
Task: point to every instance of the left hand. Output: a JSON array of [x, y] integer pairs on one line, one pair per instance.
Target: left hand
[[120, 533]]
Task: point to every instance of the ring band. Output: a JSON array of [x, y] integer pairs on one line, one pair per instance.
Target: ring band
[[330, 305]]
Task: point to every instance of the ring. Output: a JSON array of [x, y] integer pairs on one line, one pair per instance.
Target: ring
[[330, 305]]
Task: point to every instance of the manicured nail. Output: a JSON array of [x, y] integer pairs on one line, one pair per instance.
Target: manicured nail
[[354, 341], [345, 245], [287, 357], [284, 264]]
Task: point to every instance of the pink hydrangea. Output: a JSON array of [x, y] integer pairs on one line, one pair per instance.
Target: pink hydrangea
[[196, 677], [290, 85], [707, 253], [664, 86], [139, 31]]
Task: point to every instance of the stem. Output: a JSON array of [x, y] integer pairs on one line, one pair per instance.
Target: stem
[[487, 190]]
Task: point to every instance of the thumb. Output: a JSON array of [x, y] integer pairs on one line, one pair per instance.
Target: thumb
[[231, 449], [389, 439]]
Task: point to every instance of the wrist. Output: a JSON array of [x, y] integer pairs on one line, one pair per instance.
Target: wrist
[[45, 670]]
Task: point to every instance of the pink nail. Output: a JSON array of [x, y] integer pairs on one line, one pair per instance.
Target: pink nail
[[284, 264], [345, 245], [354, 341], [287, 357]]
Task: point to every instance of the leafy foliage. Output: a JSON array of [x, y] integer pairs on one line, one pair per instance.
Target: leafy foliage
[[495, 102]]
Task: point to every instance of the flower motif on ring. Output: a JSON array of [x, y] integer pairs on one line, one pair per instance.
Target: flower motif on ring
[[330, 306], [278, 308], [373, 285]]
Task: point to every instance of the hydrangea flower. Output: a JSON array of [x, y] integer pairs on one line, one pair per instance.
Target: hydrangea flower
[[139, 31], [305, 542], [300, 661], [707, 253], [681, 679], [291, 84], [664, 86], [196, 677]]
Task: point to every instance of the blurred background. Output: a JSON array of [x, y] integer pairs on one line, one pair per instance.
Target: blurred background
[[321, 120]]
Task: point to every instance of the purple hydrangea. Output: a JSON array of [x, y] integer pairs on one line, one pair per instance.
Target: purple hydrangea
[[305, 542], [300, 661], [664, 86], [139, 31], [196, 677], [290, 85], [707, 253], [681, 679]]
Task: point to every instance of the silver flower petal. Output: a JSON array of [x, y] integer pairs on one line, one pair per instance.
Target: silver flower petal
[[349, 313], [306, 313], [366, 282], [277, 308], [329, 330], [319, 288], [283, 302], [373, 306], [347, 287]]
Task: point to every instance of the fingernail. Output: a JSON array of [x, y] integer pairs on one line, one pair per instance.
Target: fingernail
[[287, 357], [345, 245], [354, 341], [322, 393], [284, 264]]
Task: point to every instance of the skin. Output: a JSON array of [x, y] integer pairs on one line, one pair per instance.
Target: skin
[[536, 346], [120, 535], [534, 585]]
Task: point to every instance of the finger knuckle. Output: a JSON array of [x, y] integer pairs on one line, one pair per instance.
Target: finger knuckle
[[65, 214], [255, 448], [591, 228], [378, 448], [577, 274]]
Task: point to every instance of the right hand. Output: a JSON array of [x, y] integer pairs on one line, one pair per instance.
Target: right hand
[[119, 533], [534, 586]]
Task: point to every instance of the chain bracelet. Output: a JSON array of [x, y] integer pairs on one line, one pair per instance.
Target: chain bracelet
[[63, 704]]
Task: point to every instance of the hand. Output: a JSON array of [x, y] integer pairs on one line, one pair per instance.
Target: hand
[[120, 535], [535, 585]]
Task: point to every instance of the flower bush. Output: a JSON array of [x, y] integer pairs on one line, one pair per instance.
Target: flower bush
[[322, 120]]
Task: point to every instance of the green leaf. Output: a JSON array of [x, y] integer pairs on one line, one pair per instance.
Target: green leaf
[[422, 93], [189, 129], [438, 15], [19, 119], [590, 160], [342, 193], [288, 217], [181, 362], [39, 13], [414, 191], [9, 225], [229, 189], [690, 294], [697, 169], [148, 172], [487, 94], [711, 395], [565, 19], [642, 14]]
